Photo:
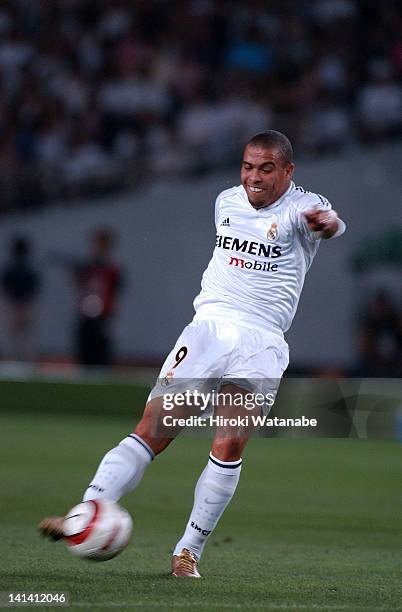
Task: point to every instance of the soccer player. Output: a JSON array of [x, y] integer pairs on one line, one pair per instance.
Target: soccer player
[[268, 232]]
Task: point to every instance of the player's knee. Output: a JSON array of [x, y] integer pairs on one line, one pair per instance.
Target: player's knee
[[147, 430], [228, 449]]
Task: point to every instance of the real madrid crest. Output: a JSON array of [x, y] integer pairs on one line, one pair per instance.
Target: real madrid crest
[[168, 379], [272, 233]]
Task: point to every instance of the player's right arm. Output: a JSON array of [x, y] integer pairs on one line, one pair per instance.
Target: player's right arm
[[316, 219], [324, 223]]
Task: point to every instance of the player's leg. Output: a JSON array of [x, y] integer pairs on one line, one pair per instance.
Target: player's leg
[[122, 468], [257, 360], [216, 485]]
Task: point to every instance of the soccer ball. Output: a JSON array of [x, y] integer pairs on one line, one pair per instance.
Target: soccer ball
[[97, 529]]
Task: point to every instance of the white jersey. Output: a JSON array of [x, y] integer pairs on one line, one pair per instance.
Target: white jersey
[[260, 260]]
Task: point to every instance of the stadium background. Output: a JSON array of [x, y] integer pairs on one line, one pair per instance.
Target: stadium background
[[131, 116]]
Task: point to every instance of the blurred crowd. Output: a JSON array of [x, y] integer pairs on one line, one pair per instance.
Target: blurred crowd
[[97, 280], [99, 95]]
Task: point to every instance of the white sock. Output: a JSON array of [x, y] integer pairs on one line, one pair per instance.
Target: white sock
[[213, 492], [120, 470]]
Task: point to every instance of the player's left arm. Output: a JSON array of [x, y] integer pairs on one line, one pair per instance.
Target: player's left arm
[[325, 223]]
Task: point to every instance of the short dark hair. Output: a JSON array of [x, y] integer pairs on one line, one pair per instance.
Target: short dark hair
[[271, 139]]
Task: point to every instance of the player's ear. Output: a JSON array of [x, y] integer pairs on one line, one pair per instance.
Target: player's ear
[[289, 170]]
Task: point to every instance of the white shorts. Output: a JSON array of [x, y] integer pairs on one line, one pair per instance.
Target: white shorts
[[213, 352]]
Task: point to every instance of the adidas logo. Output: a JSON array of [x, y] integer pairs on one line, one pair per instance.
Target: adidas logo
[[226, 222]]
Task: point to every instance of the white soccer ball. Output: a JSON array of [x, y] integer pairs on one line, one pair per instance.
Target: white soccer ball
[[97, 529]]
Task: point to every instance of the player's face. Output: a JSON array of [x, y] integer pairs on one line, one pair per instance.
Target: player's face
[[264, 175]]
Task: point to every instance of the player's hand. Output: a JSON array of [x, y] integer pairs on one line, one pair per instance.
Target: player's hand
[[325, 222]]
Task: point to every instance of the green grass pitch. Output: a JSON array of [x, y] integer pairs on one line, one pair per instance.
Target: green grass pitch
[[314, 524]]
